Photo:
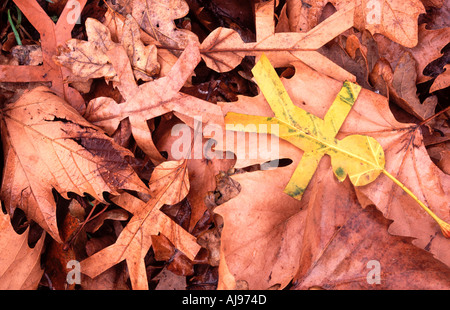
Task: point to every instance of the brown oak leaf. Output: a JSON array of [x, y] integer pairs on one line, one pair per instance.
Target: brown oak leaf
[[169, 184], [396, 19]]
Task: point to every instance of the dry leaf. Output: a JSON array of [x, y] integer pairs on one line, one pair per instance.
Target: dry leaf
[[20, 265], [261, 237], [358, 156], [223, 49], [89, 59], [151, 99], [442, 81], [342, 243], [157, 17], [143, 58], [404, 91], [202, 170], [115, 21], [169, 183], [58, 255], [429, 47], [47, 145], [249, 229], [169, 281], [52, 35], [396, 19]]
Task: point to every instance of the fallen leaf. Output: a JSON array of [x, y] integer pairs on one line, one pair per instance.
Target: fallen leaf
[[359, 157], [169, 183], [52, 35], [442, 81], [444, 162], [343, 243], [202, 169], [396, 19], [157, 19], [437, 16], [89, 59], [169, 281], [223, 49], [47, 145], [58, 255], [20, 265], [115, 22], [143, 58], [115, 214], [404, 90], [251, 228], [428, 49], [151, 99]]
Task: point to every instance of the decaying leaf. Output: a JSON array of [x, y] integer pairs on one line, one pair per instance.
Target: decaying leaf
[[143, 58], [52, 35], [442, 81], [396, 19], [47, 145], [20, 265], [314, 184], [404, 153], [202, 170], [223, 49], [157, 17], [343, 242], [169, 184], [151, 99], [88, 59], [429, 48], [399, 84], [358, 156], [115, 23]]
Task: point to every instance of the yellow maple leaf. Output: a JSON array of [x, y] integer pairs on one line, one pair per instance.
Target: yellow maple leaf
[[358, 156]]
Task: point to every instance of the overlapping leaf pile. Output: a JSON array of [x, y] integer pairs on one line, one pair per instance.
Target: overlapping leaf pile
[[92, 167]]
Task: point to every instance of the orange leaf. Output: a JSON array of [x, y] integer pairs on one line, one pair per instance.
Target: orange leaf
[[274, 221], [151, 99], [47, 145], [169, 183], [51, 36], [20, 265]]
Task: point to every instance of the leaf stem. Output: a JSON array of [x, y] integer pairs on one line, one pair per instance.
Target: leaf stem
[[434, 116], [16, 33], [445, 227]]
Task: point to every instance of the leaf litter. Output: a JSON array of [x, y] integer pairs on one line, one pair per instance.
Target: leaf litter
[[90, 158]]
